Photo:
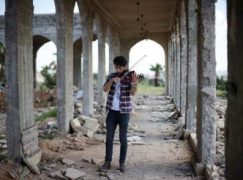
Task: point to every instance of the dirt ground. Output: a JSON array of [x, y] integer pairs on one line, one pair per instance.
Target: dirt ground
[[156, 155]]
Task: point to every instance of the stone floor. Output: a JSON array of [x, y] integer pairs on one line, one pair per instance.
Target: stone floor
[[159, 157], [156, 156]]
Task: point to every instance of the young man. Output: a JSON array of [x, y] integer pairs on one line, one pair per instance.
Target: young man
[[119, 107]]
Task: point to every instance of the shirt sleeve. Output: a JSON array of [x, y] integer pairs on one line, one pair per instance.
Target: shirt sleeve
[[109, 77]]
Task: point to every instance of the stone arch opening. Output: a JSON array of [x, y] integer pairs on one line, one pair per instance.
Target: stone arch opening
[[44, 52], [154, 60]]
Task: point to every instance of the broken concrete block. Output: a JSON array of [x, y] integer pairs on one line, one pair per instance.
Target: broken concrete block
[[57, 174], [67, 161], [134, 138], [91, 124], [90, 134], [72, 173], [33, 161], [75, 125]]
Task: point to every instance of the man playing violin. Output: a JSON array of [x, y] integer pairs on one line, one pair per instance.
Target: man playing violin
[[120, 86]]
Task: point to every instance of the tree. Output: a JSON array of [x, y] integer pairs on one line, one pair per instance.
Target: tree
[[157, 69], [49, 74]]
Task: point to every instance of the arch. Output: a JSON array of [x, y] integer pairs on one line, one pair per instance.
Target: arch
[[38, 41], [155, 55]]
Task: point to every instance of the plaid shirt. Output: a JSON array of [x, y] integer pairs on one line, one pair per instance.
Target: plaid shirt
[[125, 97]]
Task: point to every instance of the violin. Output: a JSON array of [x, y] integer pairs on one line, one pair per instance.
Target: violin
[[127, 75]]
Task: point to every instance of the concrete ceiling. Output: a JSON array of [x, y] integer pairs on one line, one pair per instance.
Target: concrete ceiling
[[157, 15]]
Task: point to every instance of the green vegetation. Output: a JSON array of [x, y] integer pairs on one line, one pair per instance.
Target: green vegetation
[[42, 117], [221, 87], [49, 74], [146, 89], [157, 69]]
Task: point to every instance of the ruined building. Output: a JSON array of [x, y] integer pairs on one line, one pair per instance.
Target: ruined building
[[184, 28]]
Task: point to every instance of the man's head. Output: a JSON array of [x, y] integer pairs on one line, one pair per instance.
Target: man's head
[[120, 63]]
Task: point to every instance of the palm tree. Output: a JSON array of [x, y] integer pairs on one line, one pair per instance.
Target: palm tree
[[157, 69]]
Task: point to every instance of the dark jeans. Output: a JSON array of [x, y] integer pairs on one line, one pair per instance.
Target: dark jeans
[[114, 118]]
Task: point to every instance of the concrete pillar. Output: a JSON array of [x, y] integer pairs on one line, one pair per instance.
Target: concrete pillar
[[170, 67], [64, 14], [174, 67], [178, 67], [87, 17], [183, 59], [34, 66], [101, 26], [234, 121], [117, 44], [191, 96], [206, 113], [77, 65], [125, 49], [111, 42], [19, 74]]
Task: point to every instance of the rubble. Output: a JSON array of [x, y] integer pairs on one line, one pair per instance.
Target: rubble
[[72, 173]]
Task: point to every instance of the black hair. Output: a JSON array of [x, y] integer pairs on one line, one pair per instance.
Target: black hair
[[120, 61]]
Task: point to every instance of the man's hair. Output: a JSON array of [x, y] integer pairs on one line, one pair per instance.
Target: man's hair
[[120, 61]]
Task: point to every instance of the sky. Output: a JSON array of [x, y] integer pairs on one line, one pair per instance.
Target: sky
[[153, 50]]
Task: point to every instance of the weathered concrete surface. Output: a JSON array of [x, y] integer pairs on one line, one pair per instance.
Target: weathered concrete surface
[[191, 95], [206, 112], [178, 66], [234, 123], [86, 17], [77, 64], [111, 41], [64, 12], [183, 57], [102, 29], [19, 73]]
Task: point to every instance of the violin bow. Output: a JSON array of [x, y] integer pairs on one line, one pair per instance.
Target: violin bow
[[134, 65]]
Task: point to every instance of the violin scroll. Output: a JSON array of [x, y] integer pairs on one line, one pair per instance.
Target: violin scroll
[[140, 76]]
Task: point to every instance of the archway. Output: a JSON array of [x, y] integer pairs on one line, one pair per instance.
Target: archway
[[152, 66]]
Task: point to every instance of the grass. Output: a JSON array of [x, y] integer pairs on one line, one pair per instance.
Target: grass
[[221, 93], [145, 89], [42, 117]]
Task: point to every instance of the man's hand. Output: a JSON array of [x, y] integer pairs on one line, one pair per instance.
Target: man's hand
[[116, 79]]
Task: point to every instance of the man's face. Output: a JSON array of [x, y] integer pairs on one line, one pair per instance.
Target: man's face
[[120, 69]]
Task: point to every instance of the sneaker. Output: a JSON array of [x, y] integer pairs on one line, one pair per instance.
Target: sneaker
[[105, 167], [122, 167]]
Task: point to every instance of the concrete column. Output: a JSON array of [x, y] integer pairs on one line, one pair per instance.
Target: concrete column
[[117, 44], [206, 113], [125, 49], [34, 67], [174, 67], [111, 42], [19, 74], [169, 67], [64, 14], [86, 17], [178, 67], [234, 121], [183, 59], [101, 26], [77, 77], [191, 96]]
